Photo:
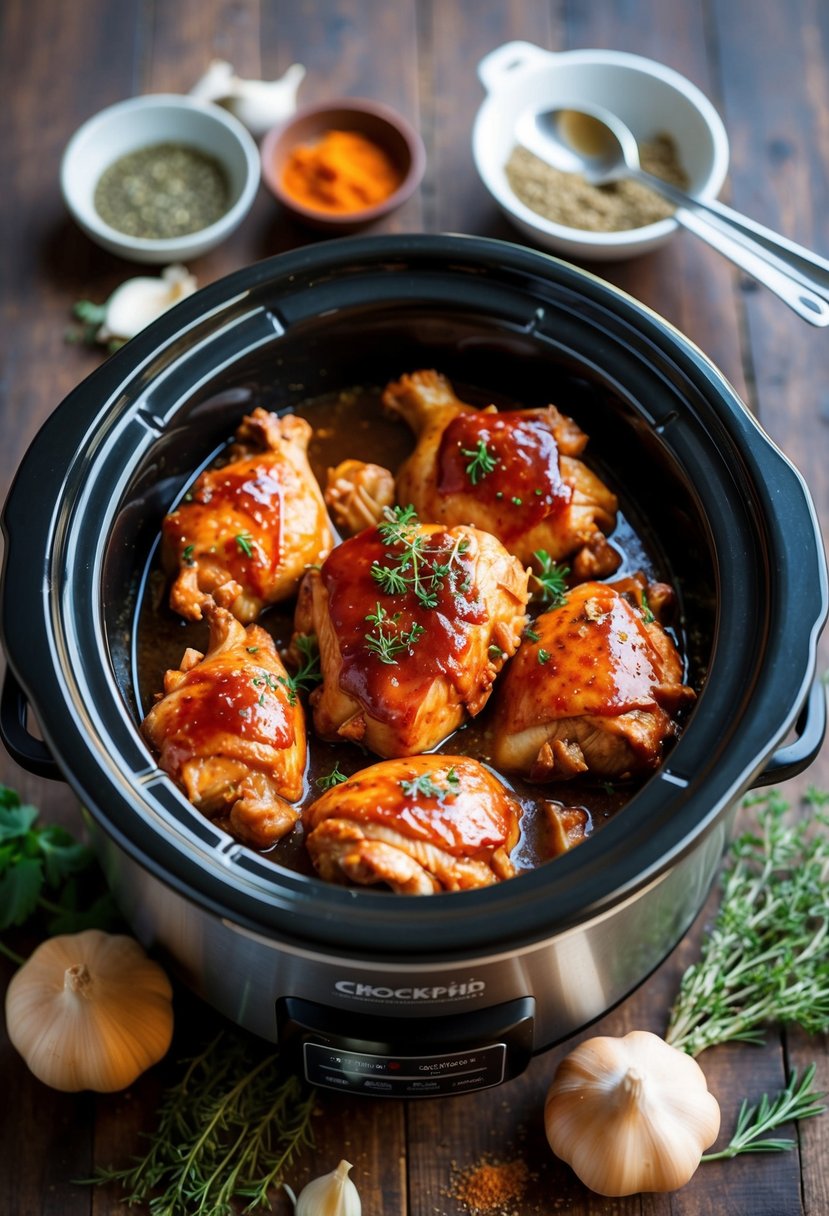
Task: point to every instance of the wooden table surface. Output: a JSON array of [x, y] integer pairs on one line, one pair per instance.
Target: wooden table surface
[[763, 64]]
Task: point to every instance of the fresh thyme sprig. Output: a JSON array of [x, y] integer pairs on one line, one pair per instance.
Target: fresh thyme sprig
[[228, 1129], [550, 580], [766, 957], [482, 462], [416, 567], [423, 786], [797, 1101], [329, 780], [386, 639], [309, 673]]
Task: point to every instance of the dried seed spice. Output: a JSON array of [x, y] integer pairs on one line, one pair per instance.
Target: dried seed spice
[[162, 191], [568, 199]]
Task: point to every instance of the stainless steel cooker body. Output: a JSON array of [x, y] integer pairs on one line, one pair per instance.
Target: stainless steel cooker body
[[415, 995]]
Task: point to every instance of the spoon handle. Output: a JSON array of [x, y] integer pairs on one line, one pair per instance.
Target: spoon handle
[[811, 270], [756, 261]]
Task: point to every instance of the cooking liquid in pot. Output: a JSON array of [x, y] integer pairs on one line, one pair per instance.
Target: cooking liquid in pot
[[352, 424]]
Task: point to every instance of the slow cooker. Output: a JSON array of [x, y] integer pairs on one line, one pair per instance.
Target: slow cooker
[[369, 991]]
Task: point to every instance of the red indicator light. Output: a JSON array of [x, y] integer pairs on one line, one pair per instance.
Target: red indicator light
[[393, 1065]]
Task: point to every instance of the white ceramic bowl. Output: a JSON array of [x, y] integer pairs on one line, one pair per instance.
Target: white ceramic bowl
[[152, 119], [649, 97]]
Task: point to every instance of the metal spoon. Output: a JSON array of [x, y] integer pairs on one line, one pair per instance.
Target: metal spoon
[[595, 143]]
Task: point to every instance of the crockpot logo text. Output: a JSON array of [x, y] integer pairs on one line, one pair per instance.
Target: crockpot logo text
[[373, 992]]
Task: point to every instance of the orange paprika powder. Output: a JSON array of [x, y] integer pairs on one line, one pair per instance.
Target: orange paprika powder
[[344, 172]]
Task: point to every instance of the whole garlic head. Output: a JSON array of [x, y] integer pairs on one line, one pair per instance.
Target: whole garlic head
[[630, 1114], [259, 104]]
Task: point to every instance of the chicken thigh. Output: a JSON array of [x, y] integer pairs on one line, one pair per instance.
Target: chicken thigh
[[420, 825], [513, 473], [248, 530], [413, 623], [230, 732], [592, 689]]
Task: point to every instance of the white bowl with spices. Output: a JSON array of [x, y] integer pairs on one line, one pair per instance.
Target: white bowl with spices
[[161, 178], [651, 99]]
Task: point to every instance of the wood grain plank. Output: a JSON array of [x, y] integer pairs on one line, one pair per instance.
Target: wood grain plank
[[780, 176], [454, 38]]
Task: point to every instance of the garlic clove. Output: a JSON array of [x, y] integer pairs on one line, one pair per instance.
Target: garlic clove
[[331, 1194], [137, 302], [630, 1114], [259, 104]]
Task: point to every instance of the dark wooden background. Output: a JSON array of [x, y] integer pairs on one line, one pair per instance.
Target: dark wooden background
[[763, 64]]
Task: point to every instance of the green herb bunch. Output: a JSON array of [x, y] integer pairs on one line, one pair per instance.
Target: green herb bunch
[[227, 1130], [47, 877], [766, 958]]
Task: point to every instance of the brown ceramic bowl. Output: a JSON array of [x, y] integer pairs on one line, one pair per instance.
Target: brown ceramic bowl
[[378, 123]]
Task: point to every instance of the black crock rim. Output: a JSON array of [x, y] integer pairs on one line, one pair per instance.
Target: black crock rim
[[625, 857]]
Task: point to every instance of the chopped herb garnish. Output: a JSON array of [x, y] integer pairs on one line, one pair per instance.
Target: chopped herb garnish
[[244, 542], [481, 464], [544, 656], [496, 653], [516, 501], [647, 615], [252, 649], [550, 580], [329, 780], [187, 555], [425, 787], [538, 492], [530, 634], [499, 493]]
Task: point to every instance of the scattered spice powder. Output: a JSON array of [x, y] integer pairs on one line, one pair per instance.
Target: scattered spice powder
[[566, 198], [342, 173], [491, 1186], [161, 191]]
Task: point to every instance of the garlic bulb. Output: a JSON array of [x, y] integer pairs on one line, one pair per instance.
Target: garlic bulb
[[259, 104], [139, 301], [630, 1114], [332, 1194], [89, 1011]]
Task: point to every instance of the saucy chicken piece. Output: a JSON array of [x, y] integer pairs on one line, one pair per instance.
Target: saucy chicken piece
[[593, 689], [514, 473], [230, 731], [247, 531], [420, 825], [357, 495], [413, 622]]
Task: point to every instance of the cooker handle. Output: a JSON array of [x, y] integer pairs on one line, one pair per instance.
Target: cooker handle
[[810, 727], [26, 749]]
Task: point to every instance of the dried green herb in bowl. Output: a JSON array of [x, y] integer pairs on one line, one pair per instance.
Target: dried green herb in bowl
[[162, 191]]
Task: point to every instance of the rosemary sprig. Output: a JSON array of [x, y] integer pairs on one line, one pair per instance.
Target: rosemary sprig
[[550, 580], [797, 1101], [227, 1129], [482, 462], [765, 958]]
